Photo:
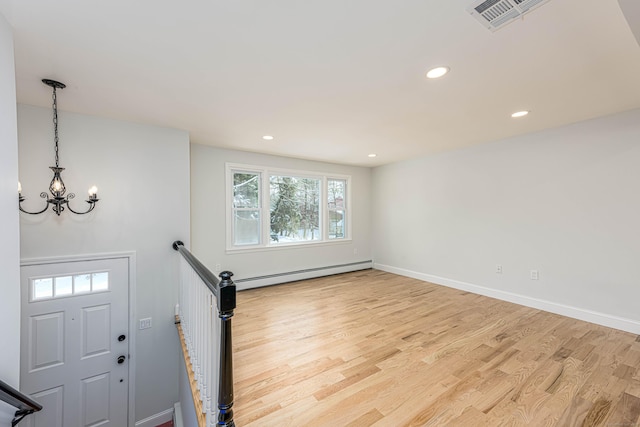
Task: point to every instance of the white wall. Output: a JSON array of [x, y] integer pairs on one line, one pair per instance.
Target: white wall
[[208, 216], [142, 173], [10, 248], [564, 201]]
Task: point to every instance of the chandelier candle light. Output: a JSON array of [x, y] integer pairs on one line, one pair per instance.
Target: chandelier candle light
[[57, 189]]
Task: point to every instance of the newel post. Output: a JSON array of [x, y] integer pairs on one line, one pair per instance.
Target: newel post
[[226, 305]]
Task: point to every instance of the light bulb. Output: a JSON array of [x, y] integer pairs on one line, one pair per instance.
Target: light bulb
[[93, 190], [19, 187], [56, 185], [437, 72]]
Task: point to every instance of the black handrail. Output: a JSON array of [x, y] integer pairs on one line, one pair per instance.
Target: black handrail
[[225, 292], [21, 401], [205, 274]]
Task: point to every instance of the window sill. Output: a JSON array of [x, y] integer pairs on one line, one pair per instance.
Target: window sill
[[289, 246]]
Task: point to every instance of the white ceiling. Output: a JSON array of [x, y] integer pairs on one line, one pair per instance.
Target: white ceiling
[[332, 80]]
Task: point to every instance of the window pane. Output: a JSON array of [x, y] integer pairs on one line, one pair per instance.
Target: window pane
[[64, 286], [246, 227], [82, 283], [42, 288], [246, 190], [100, 281], [336, 224], [294, 209], [335, 193]]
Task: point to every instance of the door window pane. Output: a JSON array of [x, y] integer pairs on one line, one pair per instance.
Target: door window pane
[[82, 283], [64, 286], [42, 288], [100, 281]]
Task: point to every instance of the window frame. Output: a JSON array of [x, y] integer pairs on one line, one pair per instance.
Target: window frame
[[264, 238], [231, 207]]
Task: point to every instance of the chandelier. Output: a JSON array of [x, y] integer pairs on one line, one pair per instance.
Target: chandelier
[[57, 190]]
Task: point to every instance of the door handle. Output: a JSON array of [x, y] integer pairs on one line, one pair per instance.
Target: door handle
[[121, 360], [122, 337]]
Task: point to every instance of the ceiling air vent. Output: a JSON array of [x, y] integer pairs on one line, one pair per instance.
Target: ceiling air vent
[[495, 14]]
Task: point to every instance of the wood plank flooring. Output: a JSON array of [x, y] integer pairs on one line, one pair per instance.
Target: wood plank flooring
[[375, 349]]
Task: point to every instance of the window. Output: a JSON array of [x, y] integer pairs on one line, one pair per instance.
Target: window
[[336, 194], [271, 207], [294, 209], [64, 286], [246, 208]]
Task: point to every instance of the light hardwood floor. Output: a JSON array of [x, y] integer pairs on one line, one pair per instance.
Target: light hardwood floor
[[372, 348]]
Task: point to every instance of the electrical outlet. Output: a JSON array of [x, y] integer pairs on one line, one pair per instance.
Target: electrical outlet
[[145, 323], [534, 275], [498, 269]]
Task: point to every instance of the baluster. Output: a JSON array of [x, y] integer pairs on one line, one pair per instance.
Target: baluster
[[201, 304], [196, 327], [203, 348], [187, 306], [207, 350], [198, 346], [190, 317]]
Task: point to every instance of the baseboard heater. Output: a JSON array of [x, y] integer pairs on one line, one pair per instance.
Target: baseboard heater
[[308, 273]]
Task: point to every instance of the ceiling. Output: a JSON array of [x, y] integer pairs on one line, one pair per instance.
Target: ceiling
[[331, 80]]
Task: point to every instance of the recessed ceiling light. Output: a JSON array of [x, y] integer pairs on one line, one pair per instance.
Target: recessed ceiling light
[[434, 73], [267, 137], [519, 114], [372, 155]]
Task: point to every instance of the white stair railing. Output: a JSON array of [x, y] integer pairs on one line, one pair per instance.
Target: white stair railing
[[205, 308]]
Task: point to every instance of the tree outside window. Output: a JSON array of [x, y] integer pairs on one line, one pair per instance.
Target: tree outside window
[[294, 209]]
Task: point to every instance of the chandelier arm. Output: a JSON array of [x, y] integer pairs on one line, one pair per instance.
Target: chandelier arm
[[92, 204], [32, 213], [43, 195]]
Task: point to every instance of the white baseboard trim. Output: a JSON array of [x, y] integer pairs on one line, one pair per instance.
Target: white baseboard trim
[[156, 419], [177, 415], [598, 318], [276, 279]]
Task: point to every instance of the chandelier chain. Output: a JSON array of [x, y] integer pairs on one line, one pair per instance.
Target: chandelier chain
[[55, 123]]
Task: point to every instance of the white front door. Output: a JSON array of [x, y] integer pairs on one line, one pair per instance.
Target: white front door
[[75, 342]]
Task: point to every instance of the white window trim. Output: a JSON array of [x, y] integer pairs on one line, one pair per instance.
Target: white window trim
[[265, 225]]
